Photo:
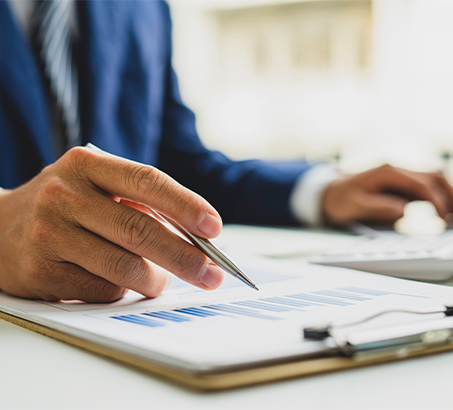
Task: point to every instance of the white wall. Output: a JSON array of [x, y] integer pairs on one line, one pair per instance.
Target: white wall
[[395, 107]]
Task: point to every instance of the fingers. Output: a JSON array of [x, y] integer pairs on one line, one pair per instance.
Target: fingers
[[146, 185], [71, 282], [381, 194], [115, 264], [143, 236], [447, 191], [380, 208], [69, 237], [427, 187]]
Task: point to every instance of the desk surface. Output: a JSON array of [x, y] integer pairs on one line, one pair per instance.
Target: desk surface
[[41, 373]]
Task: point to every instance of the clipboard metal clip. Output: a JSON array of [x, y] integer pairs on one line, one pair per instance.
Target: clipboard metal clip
[[399, 343]]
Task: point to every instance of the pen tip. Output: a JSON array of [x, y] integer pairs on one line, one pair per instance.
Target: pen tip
[[256, 287]]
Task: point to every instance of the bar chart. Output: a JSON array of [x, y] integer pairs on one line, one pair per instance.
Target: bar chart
[[268, 308]]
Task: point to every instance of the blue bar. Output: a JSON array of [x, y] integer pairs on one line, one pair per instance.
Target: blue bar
[[287, 302], [197, 312], [373, 292], [173, 317], [343, 295], [138, 320], [189, 313], [240, 311], [141, 320], [264, 306], [320, 299]]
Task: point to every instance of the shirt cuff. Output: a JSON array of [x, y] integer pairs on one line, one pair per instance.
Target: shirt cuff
[[305, 199]]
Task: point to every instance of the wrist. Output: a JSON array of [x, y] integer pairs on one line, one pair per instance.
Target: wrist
[[338, 201], [306, 201], [325, 202]]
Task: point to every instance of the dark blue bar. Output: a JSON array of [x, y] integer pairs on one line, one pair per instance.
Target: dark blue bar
[[142, 320], [320, 299], [189, 313], [197, 312], [264, 306], [239, 311], [287, 302], [206, 312], [342, 295], [138, 320], [173, 317]]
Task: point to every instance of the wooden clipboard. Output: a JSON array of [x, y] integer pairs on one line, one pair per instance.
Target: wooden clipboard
[[231, 379]]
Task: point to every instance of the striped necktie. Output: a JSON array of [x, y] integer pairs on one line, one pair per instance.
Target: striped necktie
[[52, 42]]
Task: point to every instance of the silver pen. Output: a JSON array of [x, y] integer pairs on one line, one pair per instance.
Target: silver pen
[[212, 252], [204, 245]]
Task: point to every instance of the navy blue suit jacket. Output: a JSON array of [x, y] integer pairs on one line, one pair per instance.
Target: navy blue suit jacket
[[130, 106]]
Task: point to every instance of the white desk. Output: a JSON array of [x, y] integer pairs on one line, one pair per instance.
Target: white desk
[[40, 373]]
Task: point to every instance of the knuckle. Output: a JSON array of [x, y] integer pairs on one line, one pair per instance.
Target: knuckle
[[439, 179], [54, 192], [77, 155], [137, 230], [187, 260], [78, 160], [146, 180], [184, 203], [105, 292], [387, 167], [41, 233], [55, 201], [126, 268], [39, 273], [48, 191], [422, 186], [151, 182], [154, 241], [94, 289], [43, 240]]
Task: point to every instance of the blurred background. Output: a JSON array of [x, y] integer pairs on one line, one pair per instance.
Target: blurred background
[[359, 82]]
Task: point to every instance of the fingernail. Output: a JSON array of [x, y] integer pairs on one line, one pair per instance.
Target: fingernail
[[212, 277], [210, 225]]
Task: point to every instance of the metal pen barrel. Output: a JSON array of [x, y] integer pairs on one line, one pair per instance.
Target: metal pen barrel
[[213, 253]]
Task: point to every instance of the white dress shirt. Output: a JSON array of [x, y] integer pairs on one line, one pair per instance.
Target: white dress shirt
[[305, 199]]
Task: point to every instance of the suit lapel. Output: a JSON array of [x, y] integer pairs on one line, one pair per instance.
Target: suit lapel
[[20, 77]]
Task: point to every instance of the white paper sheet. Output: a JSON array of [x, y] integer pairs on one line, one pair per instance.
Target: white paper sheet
[[197, 330]]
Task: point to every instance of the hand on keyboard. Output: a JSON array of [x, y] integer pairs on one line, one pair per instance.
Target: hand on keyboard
[[380, 195]]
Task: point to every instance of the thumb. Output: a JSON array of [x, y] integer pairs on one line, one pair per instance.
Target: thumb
[[381, 207]]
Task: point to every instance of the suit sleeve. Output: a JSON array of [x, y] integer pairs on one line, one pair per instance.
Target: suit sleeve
[[252, 192]]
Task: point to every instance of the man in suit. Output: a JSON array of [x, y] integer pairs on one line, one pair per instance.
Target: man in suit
[[74, 221]]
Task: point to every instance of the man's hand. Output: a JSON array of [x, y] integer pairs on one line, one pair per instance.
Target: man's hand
[[380, 195], [77, 231]]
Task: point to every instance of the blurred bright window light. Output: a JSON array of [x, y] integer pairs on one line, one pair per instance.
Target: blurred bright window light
[[366, 81]]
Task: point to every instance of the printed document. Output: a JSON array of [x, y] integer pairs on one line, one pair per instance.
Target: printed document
[[234, 326]]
